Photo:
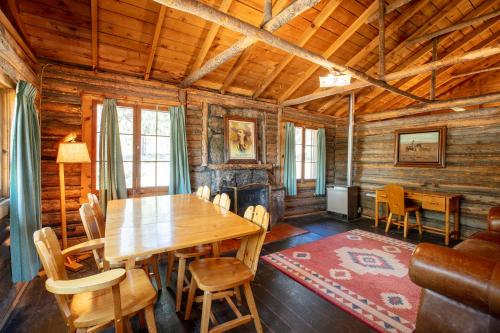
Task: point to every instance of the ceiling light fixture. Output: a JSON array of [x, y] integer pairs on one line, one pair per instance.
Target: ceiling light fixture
[[334, 80]]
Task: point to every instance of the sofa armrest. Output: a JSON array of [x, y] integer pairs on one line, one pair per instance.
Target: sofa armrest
[[494, 219], [466, 279]]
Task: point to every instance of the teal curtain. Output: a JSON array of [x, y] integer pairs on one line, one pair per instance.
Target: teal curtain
[[25, 205], [321, 164], [289, 176], [112, 183], [179, 167]]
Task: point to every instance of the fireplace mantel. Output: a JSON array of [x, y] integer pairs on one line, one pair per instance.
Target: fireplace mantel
[[235, 166]]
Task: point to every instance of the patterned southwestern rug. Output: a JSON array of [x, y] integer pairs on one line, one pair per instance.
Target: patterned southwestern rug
[[361, 272]]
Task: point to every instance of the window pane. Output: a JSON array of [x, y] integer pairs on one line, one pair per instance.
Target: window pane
[[298, 135], [99, 114], [308, 136], [307, 170], [314, 136], [148, 148], [298, 152], [308, 154], [163, 173], [148, 122], [127, 144], [148, 174], [163, 148], [128, 167], [163, 123], [298, 166], [126, 119]]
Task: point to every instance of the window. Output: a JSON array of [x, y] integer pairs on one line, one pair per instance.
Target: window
[[7, 97], [145, 143], [306, 142]]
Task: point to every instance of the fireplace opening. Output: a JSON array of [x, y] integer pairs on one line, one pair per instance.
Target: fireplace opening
[[248, 195]]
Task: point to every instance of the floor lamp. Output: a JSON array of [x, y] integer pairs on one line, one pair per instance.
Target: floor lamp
[[69, 151]]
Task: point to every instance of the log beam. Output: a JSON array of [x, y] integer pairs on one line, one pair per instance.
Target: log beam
[[381, 40], [94, 20], [479, 71], [388, 9], [154, 43], [454, 27], [434, 106], [433, 73], [304, 38], [416, 70], [13, 32], [207, 42], [232, 23]]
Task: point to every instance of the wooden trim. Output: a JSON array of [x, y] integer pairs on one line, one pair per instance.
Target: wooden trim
[[87, 137], [440, 163], [94, 22], [154, 43]]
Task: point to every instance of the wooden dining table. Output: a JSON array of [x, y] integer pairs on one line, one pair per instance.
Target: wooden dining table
[[145, 226]]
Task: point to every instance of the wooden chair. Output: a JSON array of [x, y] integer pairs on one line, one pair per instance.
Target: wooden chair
[[98, 213], [206, 193], [199, 192], [218, 277], [95, 302], [216, 200], [225, 201], [396, 197], [91, 226]]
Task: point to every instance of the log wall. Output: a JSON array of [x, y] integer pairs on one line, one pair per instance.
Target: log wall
[[66, 101], [472, 162]]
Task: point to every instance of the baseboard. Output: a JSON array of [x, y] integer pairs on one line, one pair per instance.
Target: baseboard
[[306, 214]]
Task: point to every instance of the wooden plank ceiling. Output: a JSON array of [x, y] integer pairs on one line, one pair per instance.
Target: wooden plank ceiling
[[136, 37]]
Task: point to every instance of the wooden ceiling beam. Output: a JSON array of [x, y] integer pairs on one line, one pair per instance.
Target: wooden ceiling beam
[[94, 20], [243, 58], [416, 70], [434, 106], [207, 42], [13, 32], [360, 21], [235, 24], [154, 43], [388, 9], [381, 40], [304, 38], [454, 27]]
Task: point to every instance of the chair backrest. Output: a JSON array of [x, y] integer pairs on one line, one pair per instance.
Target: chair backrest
[[396, 197], [96, 208], [91, 226], [49, 251], [199, 191], [206, 193], [216, 200], [249, 213], [225, 202], [251, 246]]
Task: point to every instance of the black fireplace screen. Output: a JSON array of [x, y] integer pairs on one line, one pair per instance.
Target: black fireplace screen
[[248, 195]]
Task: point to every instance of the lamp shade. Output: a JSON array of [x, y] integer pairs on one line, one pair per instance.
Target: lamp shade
[[73, 152]]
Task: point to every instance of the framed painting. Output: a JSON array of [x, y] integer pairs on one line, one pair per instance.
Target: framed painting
[[420, 147], [240, 139]]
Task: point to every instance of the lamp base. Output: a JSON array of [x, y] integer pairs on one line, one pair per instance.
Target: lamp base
[[72, 265]]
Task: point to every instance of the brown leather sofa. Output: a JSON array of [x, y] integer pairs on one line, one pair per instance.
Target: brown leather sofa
[[460, 285]]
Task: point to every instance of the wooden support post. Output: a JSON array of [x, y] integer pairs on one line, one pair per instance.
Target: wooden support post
[[204, 134], [154, 43], [381, 42], [278, 172], [94, 21], [388, 9], [268, 11], [433, 73], [264, 139]]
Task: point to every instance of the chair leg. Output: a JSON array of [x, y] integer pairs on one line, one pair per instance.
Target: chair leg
[[252, 307], [215, 249], [237, 293], [150, 318], [156, 271], [180, 283], [405, 225], [128, 325], [170, 267], [419, 222], [205, 314], [389, 221], [189, 305]]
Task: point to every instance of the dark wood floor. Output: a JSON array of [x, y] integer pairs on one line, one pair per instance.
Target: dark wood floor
[[284, 305]]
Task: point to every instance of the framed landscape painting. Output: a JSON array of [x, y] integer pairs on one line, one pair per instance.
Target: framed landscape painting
[[240, 139], [420, 147]]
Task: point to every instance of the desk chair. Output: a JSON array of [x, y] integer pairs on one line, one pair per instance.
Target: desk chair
[[397, 206]]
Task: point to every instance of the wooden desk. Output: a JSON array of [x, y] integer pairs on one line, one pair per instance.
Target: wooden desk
[[434, 201], [151, 225]]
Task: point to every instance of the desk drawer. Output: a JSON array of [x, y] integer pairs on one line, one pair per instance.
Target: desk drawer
[[434, 203]]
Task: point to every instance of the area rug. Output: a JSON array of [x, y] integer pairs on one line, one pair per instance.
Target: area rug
[[279, 232], [361, 272]]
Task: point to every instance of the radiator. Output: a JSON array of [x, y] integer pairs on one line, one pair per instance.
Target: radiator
[[343, 200]]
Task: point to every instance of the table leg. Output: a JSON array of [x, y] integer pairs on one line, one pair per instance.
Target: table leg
[[456, 220], [447, 227], [376, 212]]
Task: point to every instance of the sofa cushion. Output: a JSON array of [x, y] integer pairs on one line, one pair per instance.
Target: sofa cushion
[[488, 236], [481, 248]]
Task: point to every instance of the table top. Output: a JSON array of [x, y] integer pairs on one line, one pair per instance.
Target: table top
[[425, 192], [150, 225]]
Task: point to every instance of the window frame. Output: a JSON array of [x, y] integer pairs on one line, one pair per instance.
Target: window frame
[[303, 180], [6, 117], [136, 190]]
